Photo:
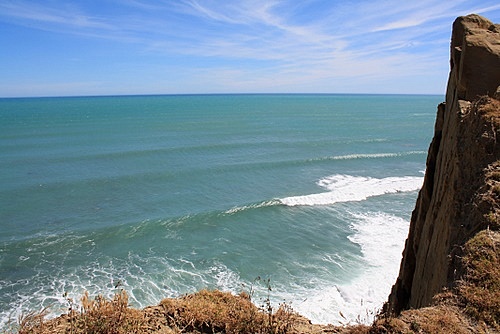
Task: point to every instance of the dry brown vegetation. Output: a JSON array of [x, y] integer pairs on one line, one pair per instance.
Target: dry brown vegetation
[[222, 312], [472, 307], [479, 292], [202, 312], [97, 315], [435, 319]]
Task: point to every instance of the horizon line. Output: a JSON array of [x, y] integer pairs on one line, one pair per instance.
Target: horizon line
[[208, 94]]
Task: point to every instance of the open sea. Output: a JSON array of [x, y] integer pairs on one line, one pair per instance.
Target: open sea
[[166, 195]]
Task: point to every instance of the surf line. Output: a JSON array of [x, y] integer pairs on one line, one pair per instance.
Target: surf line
[[342, 188], [348, 188]]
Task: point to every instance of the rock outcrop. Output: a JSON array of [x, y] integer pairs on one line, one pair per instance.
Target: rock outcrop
[[460, 194]]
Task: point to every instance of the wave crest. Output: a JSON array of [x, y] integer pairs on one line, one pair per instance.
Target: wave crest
[[237, 209], [370, 156], [348, 188]]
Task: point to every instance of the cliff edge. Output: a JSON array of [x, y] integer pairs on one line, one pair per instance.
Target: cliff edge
[[461, 190]]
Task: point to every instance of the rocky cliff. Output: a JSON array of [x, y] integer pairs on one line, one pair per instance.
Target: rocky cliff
[[460, 194]]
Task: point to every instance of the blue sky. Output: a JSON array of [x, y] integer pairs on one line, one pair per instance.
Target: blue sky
[[108, 47]]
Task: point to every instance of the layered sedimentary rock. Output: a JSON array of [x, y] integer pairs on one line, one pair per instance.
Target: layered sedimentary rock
[[458, 198]]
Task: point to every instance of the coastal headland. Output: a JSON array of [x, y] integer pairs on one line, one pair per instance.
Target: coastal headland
[[449, 279]]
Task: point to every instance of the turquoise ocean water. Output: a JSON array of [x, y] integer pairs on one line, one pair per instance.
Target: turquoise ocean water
[[166, 195]]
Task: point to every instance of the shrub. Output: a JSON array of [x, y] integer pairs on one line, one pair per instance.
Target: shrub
[[99, 316], [221, 312], [479, 291]]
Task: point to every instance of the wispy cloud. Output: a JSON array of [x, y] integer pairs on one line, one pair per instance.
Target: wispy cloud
[[65, 15], [207, 13], [290, 44]]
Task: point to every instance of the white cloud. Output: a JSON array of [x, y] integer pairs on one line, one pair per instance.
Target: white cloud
[[288, 43]]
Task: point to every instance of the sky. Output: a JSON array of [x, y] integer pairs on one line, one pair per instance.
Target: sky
[[126, 47]]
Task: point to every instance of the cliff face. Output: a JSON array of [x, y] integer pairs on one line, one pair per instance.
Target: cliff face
[[459, 196]]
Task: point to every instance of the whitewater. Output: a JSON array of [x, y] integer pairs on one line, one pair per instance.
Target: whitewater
[[166, 195]]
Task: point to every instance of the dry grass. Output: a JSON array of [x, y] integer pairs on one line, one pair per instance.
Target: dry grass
[[488, 107], [491, 195], [436, 319], [221, 312], [32, 321], [202, 312], [472, 307], [99, 316], [479, 291], [213, 312]]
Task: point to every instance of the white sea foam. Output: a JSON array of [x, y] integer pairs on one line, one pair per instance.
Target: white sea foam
[[143, 278], [237, 209], [381, 237], [369, 155], [347, 188], [375, 155]]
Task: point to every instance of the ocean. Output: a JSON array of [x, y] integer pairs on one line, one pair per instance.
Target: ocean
[[308, 195]]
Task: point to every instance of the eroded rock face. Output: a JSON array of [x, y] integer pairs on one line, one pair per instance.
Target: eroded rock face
[[449, 209], [475, 58]]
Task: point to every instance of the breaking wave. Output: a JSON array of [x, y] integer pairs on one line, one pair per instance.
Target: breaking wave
[[347, 188]]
